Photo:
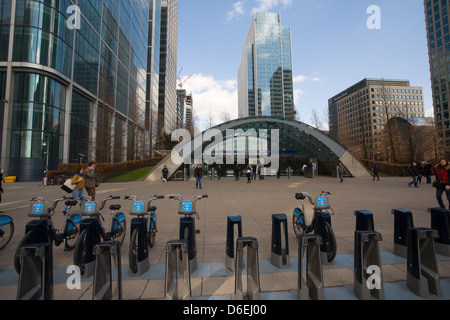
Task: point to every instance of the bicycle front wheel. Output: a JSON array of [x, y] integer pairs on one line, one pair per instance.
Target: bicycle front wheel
[[331, 242], [152, 233], [297, 229], [6, 233], [79, 253], [133, 252]]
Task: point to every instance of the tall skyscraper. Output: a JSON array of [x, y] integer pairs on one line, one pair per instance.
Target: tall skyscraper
[[72, 89], [167, 103], [265, 86], [438, 35]]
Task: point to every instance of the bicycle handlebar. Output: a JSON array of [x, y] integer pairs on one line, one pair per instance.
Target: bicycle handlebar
[[107, 199], [54, 203]]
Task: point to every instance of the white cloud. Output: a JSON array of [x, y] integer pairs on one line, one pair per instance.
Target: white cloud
[[211, 96], [238, 9], [299, 78], [267, 5]]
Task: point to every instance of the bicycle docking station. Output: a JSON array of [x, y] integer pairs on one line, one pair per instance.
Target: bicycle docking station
[[403, 220], [440, 221], [36, 272], [107, 283], [91, 225], [320, 229], [233, 222], [280, 243], [140, 224], [177, 253], [310, 284], [252, 291], [422, 269], [368, 276]]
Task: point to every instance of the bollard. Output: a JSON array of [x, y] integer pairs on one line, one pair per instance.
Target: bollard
[[403, 220], [174, 248], [364, 220], [280, 243], [440, 221], [36, 273], [422, 276], [92, 239], [187, 231], [108, 272], [140, 224], [368, 283], [252, 291], [310, 283], [232, 223]]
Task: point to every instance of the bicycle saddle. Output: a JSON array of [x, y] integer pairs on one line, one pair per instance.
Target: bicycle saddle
[[151, 208], [299, 196], [115, 207], [71, 202]]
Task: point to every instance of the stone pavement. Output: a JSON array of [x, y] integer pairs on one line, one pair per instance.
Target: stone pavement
[[255, 202]]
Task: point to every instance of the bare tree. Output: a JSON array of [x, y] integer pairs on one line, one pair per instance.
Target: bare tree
[[225, 116]]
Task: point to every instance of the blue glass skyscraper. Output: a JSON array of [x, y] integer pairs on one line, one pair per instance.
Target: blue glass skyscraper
[[265, 86]]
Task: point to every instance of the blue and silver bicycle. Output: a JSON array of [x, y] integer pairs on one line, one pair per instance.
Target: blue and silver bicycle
[[6, 230]]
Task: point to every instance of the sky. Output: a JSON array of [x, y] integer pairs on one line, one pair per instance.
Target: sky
[[332, 49]]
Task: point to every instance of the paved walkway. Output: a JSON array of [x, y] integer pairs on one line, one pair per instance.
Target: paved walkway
[[255, 202]]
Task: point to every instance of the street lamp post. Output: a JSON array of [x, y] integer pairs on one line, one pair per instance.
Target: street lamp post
[[46, 145]]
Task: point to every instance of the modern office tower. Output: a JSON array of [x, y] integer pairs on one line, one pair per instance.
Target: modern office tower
[[438, 35], [265, 86], [167, 104], [184, 110], [358, 115], [72, 83]]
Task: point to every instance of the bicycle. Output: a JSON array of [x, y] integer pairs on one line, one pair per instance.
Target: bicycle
[[138, 210], [189, 210], [322, 226], [6, 230], [117, 230], [43, 210]]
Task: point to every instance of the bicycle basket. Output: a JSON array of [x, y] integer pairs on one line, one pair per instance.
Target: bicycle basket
[[90, 208], [39, 209], [137, 208], [322, 203], [187, 207]]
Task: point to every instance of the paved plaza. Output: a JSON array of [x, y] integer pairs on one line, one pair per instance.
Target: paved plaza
[[255, 202]]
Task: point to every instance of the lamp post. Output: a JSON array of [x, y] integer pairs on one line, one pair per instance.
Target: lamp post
[[46, 145]]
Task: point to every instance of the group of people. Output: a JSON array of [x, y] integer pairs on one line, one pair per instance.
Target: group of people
[[84, 179], [418, 170]]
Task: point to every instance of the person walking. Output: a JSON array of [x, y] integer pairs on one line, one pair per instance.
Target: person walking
[[165, 173], [375, 172], [90, 179], [236, 172], [428, 170], [414, 174], [341, 170], [420, 172], [219, 172], [198, 173], [442, 181], [78, 192], [254, 167], [249, 174]]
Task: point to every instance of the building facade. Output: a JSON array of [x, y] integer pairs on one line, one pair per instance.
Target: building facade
[[358, 115], [265, 85], [72, 83], [184, 110], [438, 35]]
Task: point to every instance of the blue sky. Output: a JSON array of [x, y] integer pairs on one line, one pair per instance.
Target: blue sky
[[332, 49]]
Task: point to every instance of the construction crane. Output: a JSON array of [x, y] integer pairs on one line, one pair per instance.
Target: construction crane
[[181, 83]]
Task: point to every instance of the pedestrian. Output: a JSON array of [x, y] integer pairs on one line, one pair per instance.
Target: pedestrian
[[90, 179], [442, 181], [198, 173], [254, 167], [259, 172], [414, 174], [78, 192], [165, 173], [249, 174], [341, 170], [428, 170], [219, 172], [375, 172], [278, 173], [420, 172], [236, 172]]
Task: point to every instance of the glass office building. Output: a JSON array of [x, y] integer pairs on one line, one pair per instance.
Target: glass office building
[[438, 35], [265, 86], [72, 94]]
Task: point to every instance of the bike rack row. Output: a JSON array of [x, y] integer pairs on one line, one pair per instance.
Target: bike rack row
[[418, 245]]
